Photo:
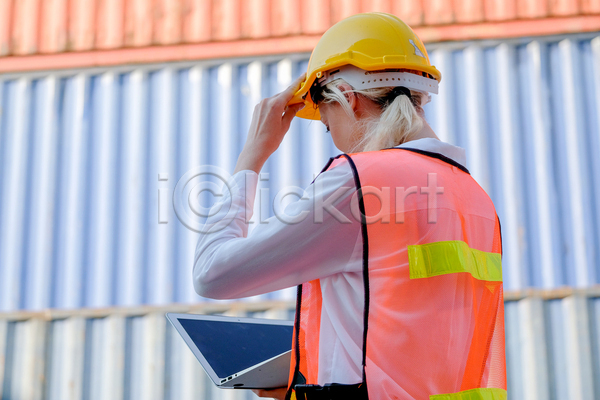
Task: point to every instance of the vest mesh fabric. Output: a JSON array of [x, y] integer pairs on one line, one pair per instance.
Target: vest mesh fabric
[[438, 334]]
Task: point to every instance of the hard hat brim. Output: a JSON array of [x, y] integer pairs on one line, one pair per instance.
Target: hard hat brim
[[311, 111]]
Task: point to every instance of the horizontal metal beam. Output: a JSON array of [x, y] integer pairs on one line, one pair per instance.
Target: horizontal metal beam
[[198, 308], [245, 306]]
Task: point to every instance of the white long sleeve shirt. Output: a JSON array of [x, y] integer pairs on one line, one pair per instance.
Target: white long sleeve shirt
[[325, 243]]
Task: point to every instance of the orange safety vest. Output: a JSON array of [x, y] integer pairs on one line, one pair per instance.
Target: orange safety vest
[[434, 310]]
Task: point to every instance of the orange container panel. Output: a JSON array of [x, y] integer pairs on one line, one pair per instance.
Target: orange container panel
[[197, 21], [590, 6], [377, 6], [50, 27], [410, 12], [25, 27], [167, 19], [564, 7], [341, 9], [53, 26], [5, 26], [226, 20], [500, 10], [438, 12], [532, 9], [468, 11], [81, 29], [284, 17], [315, 16], [256, 21], [110, 23]]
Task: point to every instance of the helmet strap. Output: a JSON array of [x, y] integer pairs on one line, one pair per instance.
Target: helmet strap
[[361, 79]]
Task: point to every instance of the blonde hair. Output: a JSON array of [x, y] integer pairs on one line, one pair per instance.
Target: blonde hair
[[398, 122]]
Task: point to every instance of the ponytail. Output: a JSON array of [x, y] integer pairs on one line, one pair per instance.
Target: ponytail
[[401, 117]]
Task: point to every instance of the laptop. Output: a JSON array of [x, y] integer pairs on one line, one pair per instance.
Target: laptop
[[249, 353]]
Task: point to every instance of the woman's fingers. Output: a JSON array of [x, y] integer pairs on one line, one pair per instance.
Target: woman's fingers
[[271, 120], [290, 113], [271, 393], [288, 93], [293, 88]]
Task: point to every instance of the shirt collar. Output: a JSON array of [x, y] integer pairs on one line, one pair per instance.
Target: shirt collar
[[455, 153]]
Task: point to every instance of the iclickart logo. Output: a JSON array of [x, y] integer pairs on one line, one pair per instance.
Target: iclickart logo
[[207, 198]]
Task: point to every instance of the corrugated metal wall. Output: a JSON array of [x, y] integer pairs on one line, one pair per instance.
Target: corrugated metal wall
[[553, 352], [89, 161], [111, 354], [527, 113], [81, 153], [86, 157]]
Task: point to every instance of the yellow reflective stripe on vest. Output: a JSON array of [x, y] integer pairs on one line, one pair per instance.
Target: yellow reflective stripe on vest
[[473, 394], [440, 258]]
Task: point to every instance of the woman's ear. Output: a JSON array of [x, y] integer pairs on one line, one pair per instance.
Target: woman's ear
[[350, 95]]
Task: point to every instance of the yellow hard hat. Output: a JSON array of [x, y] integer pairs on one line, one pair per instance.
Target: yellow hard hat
[[371, 42]]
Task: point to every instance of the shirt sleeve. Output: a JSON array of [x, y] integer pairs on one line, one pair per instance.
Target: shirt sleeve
[[314, 237]]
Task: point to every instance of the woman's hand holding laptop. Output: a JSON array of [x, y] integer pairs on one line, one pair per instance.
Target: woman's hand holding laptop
[[278, 393]]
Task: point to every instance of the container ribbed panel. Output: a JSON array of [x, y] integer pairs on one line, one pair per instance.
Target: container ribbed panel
[[552, 351], [90, 159], [59, 26]]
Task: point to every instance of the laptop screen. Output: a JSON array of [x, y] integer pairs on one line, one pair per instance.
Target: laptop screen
[[231, 347]]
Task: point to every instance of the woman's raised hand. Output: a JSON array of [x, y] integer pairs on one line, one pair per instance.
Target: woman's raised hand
[[270, 122]]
